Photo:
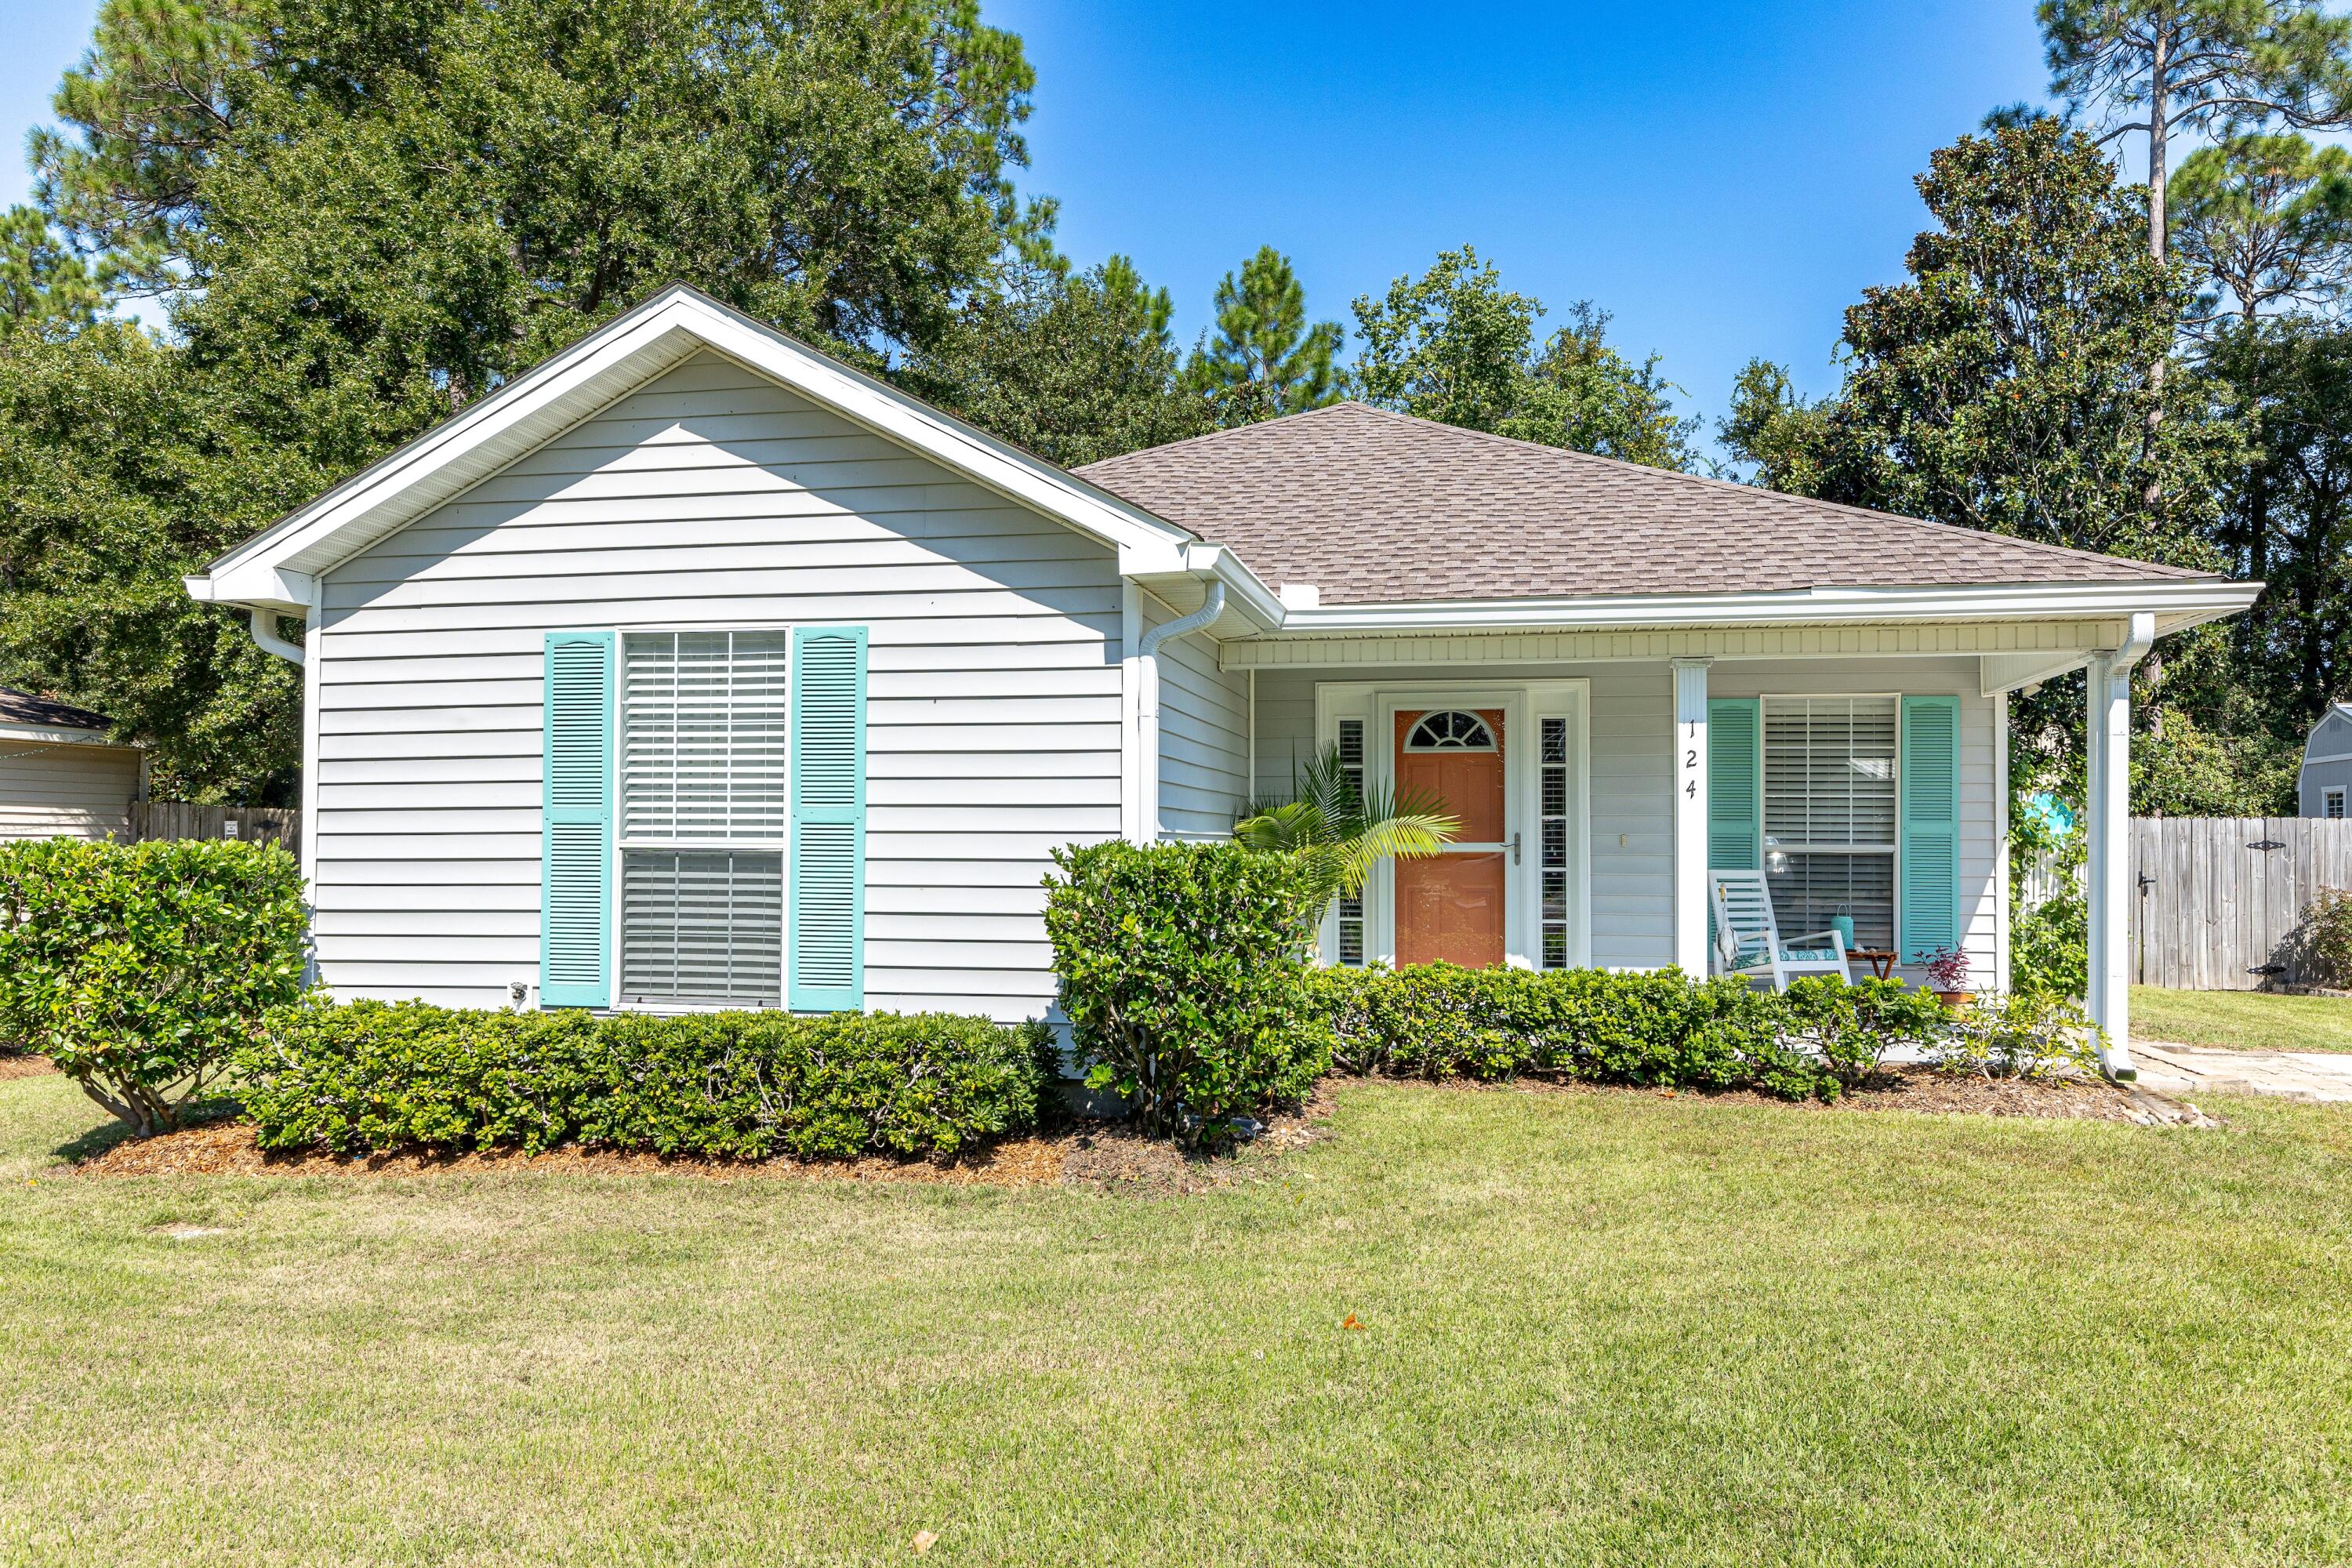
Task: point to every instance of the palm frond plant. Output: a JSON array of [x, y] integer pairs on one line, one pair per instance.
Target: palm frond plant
[[1343, 832]]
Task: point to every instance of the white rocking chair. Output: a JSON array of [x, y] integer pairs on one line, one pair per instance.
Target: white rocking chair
[[1749, 944]]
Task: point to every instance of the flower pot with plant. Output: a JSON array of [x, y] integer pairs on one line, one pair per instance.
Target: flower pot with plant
[[1947, 976]]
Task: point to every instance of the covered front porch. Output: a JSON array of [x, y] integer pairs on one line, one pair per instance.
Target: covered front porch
[[1601, 777]]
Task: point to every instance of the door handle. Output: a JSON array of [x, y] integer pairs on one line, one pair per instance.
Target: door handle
[[1515, 848]]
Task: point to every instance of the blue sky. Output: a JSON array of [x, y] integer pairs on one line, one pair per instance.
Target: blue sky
[[1725, 178]]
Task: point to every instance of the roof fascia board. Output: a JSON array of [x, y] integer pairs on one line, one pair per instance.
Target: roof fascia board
[[575, 383], [2179, 603], [60, 735]]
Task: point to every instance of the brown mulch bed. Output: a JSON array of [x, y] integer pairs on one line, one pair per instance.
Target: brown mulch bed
[[1928, 1092], [24, 1067], [1105, 1153]]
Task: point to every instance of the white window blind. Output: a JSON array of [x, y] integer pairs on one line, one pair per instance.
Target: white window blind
[[705, 758], [1829, 813], [706, 737], [702, 927]]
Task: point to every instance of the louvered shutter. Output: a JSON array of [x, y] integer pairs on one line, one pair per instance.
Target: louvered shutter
[[1733, 785], [828, 819], [576, 842], [1930, 875]]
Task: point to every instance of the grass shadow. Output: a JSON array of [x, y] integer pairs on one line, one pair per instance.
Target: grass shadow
[[109, 1135]]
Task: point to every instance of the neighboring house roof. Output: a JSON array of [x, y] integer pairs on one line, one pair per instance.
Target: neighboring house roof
[[23, 709], [1373, 506]]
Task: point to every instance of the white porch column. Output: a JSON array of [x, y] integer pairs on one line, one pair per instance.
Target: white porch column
[[2107, 823], [1690, 815]]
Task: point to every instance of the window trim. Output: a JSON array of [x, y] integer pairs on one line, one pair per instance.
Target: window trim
[[2335, 795], [623, 843]]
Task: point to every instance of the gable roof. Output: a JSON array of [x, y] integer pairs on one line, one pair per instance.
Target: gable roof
[[22, 709], [1373, 506], [276, 568]]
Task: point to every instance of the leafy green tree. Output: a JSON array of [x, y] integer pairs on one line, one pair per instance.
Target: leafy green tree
[[1455, 345], [1583, 394], [1123, 285], [361, 214], [118, 473], [2287, 514], [44, 286], [2269, 218], [2002, 387], [1072, 369], [1264, 360]]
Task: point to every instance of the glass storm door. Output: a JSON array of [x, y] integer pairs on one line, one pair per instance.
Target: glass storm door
[[1449, 906]]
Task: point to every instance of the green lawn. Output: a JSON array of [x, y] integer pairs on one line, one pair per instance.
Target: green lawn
[[2250, 1020], [1599, 1329]]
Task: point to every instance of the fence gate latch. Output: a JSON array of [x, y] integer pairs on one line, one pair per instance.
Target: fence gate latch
[[2146, 882]]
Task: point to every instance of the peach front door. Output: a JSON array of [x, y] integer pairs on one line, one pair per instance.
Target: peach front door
[[1449, 907]]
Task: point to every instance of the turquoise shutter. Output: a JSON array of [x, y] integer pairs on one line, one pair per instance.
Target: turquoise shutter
[[1928, 834], [575, 923], [1735, 785], [828, 914]]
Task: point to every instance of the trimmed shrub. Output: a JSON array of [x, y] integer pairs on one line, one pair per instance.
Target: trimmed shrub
[[2026, 1034], [1183, 973], [2328, 938], [1658, 1029], [140, 968], [1853, 1027], [377, 1076]]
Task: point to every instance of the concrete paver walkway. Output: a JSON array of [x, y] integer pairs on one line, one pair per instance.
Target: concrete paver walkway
[[2211, 1069]]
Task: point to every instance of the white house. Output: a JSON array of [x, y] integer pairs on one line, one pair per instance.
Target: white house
[[2326, 778], [696, 668], [60, 777]]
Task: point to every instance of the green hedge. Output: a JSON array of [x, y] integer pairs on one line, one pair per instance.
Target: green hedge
[[140, 968], [379, 1075], [1185, 976], [1659, 1028]]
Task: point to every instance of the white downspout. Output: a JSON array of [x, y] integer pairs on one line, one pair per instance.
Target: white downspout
[[265, 633], [1146, 716]]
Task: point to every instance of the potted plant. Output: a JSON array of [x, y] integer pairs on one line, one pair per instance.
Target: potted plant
[[1948, 975]]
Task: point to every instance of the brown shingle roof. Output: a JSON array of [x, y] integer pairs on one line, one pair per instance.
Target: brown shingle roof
[[24, 708], [1374, 507]]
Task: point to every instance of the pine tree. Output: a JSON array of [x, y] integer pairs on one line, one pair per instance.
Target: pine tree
[[1264, 360]]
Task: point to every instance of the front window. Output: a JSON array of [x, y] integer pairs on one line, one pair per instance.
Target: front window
[[705, 758], [1829, 813], [2332, 803]]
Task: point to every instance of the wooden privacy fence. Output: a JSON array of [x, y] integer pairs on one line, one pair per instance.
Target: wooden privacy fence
[[2218, 902], [176, 819]]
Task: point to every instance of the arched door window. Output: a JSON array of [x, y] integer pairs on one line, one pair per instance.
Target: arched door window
[[1449, 729]]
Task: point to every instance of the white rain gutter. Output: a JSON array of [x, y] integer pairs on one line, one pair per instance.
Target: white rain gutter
[[1147, 712], [265, 632]]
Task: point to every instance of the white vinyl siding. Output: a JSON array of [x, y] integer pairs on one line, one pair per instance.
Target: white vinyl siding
[[66, 790], [714, 500], [1203, 734]]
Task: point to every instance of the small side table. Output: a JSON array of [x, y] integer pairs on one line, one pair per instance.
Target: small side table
[[1881, 960]]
